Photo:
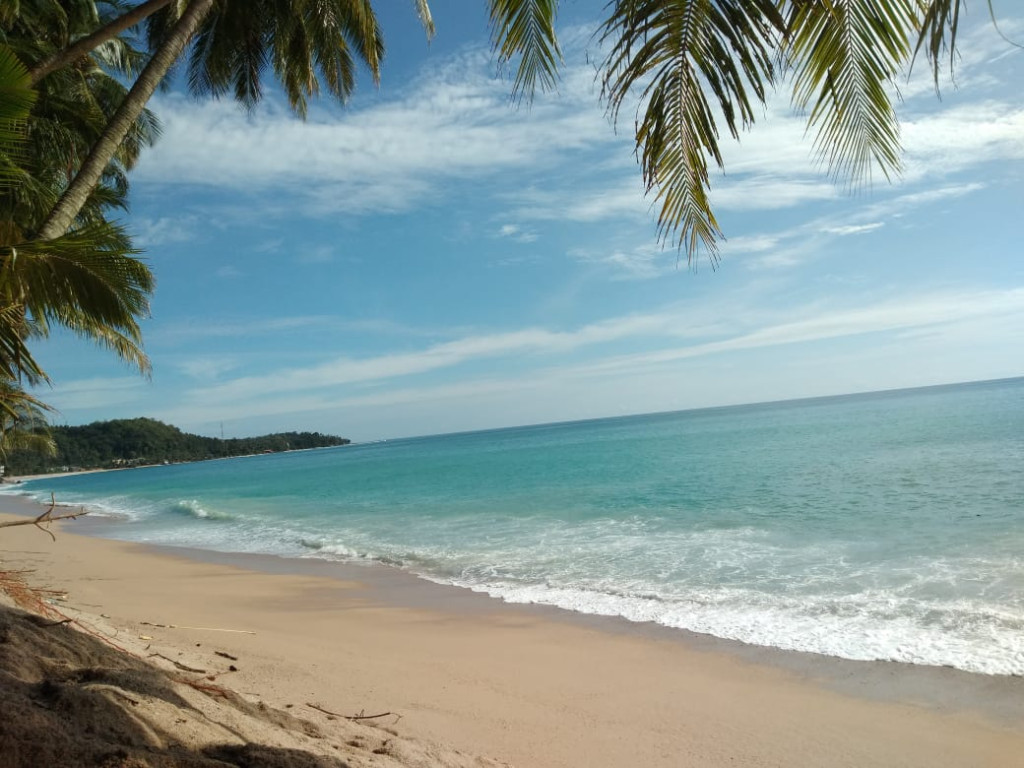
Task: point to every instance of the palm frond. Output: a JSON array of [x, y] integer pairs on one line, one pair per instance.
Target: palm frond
[[16, 93], [845, 55], [125, 343], [426, 17], [23, 425], [16, 360], [16, 99], [676, 53], [309, 44], [526, 28], [87, 281]]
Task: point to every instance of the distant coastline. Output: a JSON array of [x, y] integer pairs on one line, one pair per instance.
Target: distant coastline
[[141, 442]]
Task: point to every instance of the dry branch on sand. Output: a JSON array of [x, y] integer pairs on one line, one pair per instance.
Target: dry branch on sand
[[46, 517], [354, 718]]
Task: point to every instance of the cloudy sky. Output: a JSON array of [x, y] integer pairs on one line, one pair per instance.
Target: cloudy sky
[[431, 258]]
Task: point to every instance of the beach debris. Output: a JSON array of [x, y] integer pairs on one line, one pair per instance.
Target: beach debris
[[46, 517], [13, 584], [360, 716], [204, 629], [178, 664], [209, 690], [225, 655]]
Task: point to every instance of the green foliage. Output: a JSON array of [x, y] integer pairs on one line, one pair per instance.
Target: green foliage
[[309, 45], [526, 28], [846, 56], [23, 422], [134, 442], [679, 54], [89, 280]]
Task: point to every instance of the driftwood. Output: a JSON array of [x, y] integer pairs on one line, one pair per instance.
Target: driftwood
[[360, 716], [205, 629], [178, 664], [209, 690], [47, 517]]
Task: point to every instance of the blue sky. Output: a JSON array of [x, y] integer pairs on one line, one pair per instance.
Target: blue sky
[[430, 258]]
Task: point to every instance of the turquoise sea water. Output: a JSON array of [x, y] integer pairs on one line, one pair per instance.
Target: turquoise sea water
[[881, 526]]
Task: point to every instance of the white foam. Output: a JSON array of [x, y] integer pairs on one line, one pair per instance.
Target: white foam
[[994, 646]]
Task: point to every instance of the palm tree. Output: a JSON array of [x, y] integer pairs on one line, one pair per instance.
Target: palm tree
[[88, 280], [16, 99], [74, 45], [20, 413], [309, 44]]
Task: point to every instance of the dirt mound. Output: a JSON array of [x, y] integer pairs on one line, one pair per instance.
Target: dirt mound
[[68, 699]]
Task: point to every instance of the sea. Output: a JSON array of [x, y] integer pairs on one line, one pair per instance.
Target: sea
[[882, 526]]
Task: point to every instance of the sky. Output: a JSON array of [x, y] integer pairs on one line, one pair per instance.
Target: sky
[[433, 258]]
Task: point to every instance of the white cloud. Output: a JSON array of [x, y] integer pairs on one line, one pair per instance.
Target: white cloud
[[149, 233], [639, 263], [208, 367], [621, 199], [626, 379], [953, 139], [769, 193], [854, 229], [99, 392], [892, 316], [516, 233], [453, 122], [750, 244], [539, 345], [320, 254]]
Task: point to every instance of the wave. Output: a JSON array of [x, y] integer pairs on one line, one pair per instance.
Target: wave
[[974, 638], [892, 623], [194, 509]]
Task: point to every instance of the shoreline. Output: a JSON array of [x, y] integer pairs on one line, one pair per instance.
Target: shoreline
[[19, 479], [943, 688], [507, 680]]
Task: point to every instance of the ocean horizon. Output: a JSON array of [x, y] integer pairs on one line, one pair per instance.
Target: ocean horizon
[[875, 526]]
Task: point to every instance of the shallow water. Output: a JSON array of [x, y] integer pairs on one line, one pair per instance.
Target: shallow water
[[882, 526]]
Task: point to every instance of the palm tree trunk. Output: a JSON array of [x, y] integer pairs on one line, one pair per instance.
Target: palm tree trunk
[[96, 39], [88, 176]]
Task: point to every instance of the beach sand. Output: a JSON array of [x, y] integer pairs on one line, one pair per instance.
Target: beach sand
[[515, 685]]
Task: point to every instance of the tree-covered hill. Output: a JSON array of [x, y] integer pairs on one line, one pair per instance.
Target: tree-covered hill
[[135, 442]]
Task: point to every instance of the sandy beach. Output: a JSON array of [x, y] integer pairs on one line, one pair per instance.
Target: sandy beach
[[499, 684]]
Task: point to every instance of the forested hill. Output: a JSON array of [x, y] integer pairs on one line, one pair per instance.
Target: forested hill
[[136, 442]]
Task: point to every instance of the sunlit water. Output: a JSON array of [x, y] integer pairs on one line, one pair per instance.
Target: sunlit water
[[886, 526]]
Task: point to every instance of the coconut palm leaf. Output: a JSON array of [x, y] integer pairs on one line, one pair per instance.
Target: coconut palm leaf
[[845, 55], [16, 360], [87, 281], [310, 45], [16, 99], [673, 55], [23, 422], [526, 28], [426, 17], [16, 95]]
